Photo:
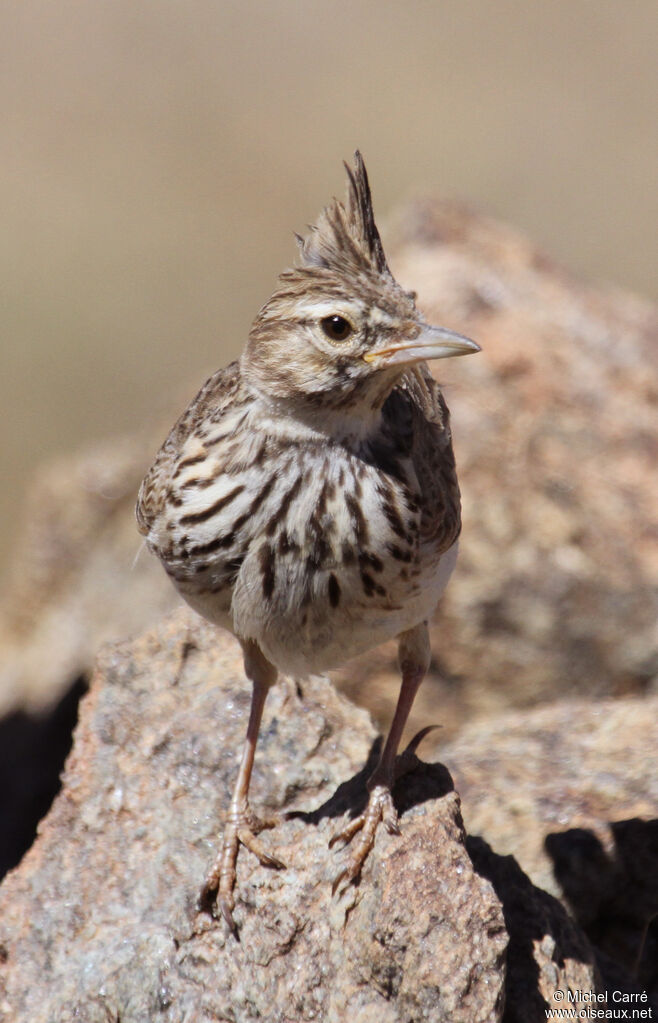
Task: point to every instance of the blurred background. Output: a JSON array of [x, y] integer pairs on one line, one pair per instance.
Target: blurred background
[[157, 157]]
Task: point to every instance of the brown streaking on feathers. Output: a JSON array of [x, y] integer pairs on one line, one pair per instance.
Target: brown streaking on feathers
[[307, 499]]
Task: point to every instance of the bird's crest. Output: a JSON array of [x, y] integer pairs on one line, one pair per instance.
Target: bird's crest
[[345, 236]]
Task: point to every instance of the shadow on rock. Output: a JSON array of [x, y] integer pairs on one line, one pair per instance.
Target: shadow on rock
[[614, 896], [542, 936], [33, 748], [419, 783]]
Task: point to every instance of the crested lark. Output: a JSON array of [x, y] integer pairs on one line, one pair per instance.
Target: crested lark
[[307, 499]]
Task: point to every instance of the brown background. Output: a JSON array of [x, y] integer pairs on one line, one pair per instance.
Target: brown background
[[157, 156]]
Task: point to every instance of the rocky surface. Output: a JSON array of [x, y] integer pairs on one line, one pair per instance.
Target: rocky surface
[[554, 598], [533, 773], [74, 584], [99, 922], [77, 579], [570, 790]]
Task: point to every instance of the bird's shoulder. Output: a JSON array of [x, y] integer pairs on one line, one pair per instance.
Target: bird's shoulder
[[215, 410]]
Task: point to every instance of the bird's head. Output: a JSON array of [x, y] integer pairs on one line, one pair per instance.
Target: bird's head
[[339, 330]]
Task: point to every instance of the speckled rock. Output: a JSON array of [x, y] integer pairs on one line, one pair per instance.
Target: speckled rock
[[570, 790], [99, 921], [555, 427], [77, 578], [547, 952]]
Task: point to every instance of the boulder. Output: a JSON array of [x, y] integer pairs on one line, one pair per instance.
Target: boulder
[[554, 602], [100, 920], [570, 790]]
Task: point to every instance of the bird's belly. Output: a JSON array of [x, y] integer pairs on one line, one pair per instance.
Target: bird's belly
[[320, 636], [315, 566]]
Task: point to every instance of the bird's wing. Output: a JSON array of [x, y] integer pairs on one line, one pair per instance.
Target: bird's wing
[[186, 441]]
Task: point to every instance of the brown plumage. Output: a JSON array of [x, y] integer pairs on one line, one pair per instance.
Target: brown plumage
[[307, 499]]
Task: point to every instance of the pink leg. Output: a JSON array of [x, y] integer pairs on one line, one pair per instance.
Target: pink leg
[[413, 658], [242, 825]]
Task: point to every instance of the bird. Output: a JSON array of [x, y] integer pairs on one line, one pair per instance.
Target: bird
[[307, 499]]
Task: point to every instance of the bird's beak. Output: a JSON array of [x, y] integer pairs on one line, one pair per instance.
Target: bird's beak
[[431, 343]]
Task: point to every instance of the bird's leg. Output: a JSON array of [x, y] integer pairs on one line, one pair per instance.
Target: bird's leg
[[413, 658], [242, 825]]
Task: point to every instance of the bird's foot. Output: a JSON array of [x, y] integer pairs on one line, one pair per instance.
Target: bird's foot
[[380, 808], [242, 827]]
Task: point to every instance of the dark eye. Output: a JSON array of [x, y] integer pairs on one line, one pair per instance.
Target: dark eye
[[337, 328]]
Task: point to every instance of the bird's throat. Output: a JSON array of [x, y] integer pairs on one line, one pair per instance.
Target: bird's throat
[[321, 419]]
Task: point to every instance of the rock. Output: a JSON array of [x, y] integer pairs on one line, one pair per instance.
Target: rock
[[547, 951], [74, 584], [571, 791], [76, 580], [555, 427], [529, 774], [99, 921]]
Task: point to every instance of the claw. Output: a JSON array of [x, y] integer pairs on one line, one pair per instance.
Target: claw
[[338, 881], [241, 829], [406, 761], [412, 746], [349, 873], [226, 903], [380, 808], [392, 826], [348, 832], [247, 838]]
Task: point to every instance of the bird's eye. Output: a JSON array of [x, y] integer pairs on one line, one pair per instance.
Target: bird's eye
[[337, 328]]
